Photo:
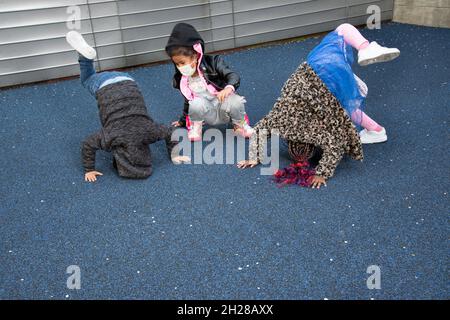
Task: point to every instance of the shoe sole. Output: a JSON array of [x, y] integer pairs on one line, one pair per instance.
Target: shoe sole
[[381, 58], [380, 140], [74, 43]]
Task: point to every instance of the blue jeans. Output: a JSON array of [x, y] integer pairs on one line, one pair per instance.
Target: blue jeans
[[92, 80]]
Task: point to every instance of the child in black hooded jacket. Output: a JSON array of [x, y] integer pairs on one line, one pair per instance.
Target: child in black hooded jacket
[[207, 84]]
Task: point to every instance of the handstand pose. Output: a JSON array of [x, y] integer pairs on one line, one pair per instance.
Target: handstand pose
[[127, 129], [320, 105]]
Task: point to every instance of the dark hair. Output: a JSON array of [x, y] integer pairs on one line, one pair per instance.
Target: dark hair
[[300, 151], [181, 51], [302, 170]]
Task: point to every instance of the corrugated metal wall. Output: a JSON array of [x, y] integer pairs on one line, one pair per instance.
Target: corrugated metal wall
[[132, 32]]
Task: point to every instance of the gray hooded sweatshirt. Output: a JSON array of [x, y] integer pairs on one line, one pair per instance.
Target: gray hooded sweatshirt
[[127, 130]]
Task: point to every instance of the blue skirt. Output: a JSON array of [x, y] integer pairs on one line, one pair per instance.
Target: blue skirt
[[332, 61]]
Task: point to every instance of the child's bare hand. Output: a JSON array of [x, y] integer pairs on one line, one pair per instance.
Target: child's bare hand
[[91, 176], [317, 182], [176, 124], [244, 164], [222, 95], [181, 159]]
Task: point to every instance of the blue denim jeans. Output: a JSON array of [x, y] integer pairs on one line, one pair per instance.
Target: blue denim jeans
[[92, 80]]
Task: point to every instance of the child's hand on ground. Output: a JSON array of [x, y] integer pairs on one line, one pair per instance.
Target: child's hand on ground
[[176, 124], [247, 164], [222, 95], [91, 176], [181, 159], [317, 182]]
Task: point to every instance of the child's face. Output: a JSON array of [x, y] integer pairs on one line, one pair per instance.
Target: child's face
[[181, 61]]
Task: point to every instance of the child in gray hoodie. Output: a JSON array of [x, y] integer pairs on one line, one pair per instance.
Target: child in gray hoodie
[[127, 129]]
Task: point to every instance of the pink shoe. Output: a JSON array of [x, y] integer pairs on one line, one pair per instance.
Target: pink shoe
[[246, 119], [244, 129], [195, 131]]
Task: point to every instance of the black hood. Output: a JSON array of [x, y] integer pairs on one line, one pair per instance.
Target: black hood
[[184, 35]]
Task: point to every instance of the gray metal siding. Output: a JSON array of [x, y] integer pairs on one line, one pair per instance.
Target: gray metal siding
[[132, 32]]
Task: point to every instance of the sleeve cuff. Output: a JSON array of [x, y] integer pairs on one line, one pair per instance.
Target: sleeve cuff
[[230, 86]]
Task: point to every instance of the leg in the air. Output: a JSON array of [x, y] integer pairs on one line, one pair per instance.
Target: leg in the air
[[90, 79], [352, 36], [368, 53], [88, 76]]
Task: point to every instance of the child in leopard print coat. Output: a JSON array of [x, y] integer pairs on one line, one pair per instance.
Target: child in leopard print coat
[[321, 105]]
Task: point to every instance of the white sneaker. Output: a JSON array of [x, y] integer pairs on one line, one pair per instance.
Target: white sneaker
[[76, 41], [195, 132], [368, 137], [375, 53]]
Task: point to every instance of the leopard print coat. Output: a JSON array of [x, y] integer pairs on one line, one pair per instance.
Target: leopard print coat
[[307, 112]]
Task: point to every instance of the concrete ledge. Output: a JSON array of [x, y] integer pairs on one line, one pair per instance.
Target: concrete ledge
[[433, 13]]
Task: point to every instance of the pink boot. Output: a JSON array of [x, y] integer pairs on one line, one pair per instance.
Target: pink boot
[[195, 131], [243, 128]]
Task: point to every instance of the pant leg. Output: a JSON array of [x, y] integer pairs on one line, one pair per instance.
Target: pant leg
[[352, 36], [86, 68], [233, 108], [201, 109], [362, 119], [92, 80]]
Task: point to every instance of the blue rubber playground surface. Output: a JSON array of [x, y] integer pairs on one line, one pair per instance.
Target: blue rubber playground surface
[[213, 231]]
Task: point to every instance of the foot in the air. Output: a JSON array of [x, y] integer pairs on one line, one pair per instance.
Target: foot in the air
[[76, 41], [374, 53]]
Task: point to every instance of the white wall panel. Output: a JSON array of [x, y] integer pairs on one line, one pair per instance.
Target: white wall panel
[[133, 32]]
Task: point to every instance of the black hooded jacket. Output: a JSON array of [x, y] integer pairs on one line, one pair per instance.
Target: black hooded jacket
[[214, 68], [127, 130]]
